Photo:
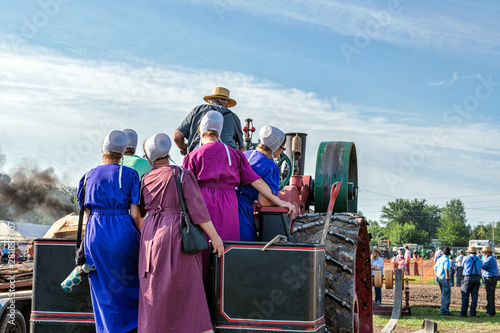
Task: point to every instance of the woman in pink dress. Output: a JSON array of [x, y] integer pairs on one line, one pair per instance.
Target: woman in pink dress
[[218, 170], [172, 297]]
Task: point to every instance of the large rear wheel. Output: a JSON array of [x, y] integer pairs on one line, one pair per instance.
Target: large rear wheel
[[348, 290]]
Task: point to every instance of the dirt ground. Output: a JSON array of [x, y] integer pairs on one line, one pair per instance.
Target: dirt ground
[[430, 295]]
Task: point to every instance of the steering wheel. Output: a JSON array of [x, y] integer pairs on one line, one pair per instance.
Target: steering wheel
[[286, 169]]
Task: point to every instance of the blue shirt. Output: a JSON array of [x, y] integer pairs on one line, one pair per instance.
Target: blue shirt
[[5, 250], [472, 265], [379, 262], [441, 265], [267, 169], [490, 267]]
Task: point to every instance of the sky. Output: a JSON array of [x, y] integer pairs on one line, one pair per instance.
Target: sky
[[414, 84]]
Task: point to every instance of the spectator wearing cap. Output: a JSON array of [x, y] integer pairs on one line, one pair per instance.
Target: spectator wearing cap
[[131, 160], [112, 237], [490, 277], [172, 296], [219, 169], [261, 160], [471, 282], [459, 262], [377, 265], [442, 268], [231, 133]]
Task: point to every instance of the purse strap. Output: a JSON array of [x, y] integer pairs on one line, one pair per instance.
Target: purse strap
[[181, 198], [82, 209]]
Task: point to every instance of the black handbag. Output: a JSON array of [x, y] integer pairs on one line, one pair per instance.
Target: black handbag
[[193, 237], [80, 252]]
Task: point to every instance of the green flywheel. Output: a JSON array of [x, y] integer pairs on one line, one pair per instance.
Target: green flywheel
[[336, 161]]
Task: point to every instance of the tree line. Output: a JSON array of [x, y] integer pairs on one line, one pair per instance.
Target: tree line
[[416, 221]]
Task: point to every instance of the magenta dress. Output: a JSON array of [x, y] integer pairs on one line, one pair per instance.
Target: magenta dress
[[172, 297], [218, 179]]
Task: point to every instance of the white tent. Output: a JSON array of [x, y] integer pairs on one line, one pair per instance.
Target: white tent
[[18, 231]]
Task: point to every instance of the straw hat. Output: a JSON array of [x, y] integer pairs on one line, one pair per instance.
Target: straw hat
[[486, 249], [471, 249], [222, 93], [376, 249]]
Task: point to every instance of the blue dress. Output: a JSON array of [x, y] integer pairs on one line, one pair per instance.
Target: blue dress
[[112, 245], [267, 169]]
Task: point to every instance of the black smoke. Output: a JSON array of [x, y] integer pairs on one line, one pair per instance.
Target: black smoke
[[35, 196]]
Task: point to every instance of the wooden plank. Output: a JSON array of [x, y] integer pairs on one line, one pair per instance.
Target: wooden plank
[[20, 284], [398, 299]]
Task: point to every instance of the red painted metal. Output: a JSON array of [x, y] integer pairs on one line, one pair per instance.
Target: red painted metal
[[292, 195]]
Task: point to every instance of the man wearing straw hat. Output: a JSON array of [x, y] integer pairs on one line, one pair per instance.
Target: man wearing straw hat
[[471, 283], [490, 277], [377, 265], [232, 133]]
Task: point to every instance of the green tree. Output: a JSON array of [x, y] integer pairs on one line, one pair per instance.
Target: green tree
[[453, 229], [377, 231], [416, 212], [408, 233]]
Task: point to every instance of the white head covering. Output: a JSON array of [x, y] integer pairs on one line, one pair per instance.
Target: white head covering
[[212, 121], [131, 138], [271, 137], [115, 142], [157, 146]]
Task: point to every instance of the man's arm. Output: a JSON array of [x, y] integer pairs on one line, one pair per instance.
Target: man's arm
[[179, 141]]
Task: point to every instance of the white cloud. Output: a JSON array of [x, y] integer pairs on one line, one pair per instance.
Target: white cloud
[[394, 22], [57, 110]]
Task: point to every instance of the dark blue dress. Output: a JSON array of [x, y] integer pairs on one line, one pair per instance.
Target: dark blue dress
[[112, 245], [267, 169]]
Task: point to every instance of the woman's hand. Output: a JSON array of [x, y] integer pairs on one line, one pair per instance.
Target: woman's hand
[[218, 245], [289, 206]]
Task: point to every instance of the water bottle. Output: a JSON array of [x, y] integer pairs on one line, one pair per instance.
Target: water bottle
[[76, 277]]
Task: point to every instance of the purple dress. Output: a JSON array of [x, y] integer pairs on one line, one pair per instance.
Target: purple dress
[[219, 169], [172, 297], [112, 245]]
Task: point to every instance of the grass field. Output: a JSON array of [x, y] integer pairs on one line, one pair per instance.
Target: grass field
[[445, 323]]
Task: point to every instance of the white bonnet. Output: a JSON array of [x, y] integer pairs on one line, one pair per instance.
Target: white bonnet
[[115, 142], [212, 121], [131, 138], [271, 137], [157, 146]]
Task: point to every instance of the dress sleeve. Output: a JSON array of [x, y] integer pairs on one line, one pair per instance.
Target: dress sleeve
[[188, 163], [135, 193], [79, 193], [272, 177], [194, 201], [247, 175]]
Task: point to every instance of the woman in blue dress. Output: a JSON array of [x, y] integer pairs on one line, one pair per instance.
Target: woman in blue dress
[[262, 162], [112, 238]]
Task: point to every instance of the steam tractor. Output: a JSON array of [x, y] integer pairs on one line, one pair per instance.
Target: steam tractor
[[346, 295], [310, 273]]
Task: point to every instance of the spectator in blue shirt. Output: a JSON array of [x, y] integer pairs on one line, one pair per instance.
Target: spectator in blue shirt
[[442, 268], [472, 280], [377, 265], [490, 277]]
